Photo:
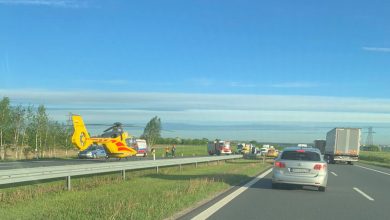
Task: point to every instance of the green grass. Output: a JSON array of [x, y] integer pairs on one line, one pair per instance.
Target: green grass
[[375, 158], [144, 195], [183, 150]]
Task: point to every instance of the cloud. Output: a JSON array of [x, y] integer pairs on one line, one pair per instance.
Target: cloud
[[50, 3], [204, 82], [213, 109], [104, 82], [242, 85], [188, 101], [295, 85], [377, 49]]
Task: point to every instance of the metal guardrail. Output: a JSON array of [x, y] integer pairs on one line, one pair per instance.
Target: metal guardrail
[[67, 171]]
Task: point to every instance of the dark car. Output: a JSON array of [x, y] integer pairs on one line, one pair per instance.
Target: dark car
[[94, 151]]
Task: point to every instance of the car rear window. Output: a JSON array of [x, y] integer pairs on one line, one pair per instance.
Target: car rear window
[[307, 155]]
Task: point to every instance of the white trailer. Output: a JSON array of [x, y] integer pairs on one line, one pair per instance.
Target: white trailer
[[343, 144]]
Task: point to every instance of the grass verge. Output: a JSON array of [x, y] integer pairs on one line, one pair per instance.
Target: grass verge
[[375, 158], [145, 195], [182, 150]]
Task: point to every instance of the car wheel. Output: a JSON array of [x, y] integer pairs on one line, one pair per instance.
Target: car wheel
[[322, 188], [350, 162]]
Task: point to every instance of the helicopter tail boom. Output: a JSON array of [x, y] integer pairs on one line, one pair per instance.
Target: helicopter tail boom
[[80, 137]]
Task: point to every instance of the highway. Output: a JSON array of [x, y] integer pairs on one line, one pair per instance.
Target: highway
[[8, 165], [354, 192], [60, 162]]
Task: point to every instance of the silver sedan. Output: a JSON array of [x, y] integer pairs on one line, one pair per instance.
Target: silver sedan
[[300, 166]]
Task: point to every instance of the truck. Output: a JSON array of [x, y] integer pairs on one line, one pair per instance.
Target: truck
[[264, 149], [342, 145], [272, 152], [244, 148], [320, 145], [219, 147], [140, 146]]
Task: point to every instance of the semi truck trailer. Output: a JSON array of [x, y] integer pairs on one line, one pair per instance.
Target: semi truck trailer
[[342, 145]]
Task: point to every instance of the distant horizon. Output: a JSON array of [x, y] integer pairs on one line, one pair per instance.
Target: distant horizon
[[299, 121]]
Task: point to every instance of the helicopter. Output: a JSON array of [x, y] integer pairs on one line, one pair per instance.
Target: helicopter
[[115, 141]]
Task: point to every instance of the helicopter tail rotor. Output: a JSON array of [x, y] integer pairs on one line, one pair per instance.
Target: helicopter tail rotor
[[80, 137]]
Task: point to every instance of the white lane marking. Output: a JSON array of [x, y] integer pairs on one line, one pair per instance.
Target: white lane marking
[[214, 208], [334, 174], [373, 170], [363, 194]]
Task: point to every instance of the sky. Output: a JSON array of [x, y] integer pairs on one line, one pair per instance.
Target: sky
[[277, 71]]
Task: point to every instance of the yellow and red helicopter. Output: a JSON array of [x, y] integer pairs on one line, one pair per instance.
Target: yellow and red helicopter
[[115, 141]]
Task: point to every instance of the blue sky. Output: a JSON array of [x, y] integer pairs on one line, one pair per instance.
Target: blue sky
[[324, 63]]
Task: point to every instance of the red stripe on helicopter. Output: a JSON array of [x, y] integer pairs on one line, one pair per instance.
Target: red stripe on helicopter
[[113, 141], [123, 148], [119, 144]]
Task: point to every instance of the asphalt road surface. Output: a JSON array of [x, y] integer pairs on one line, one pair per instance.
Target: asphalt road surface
[[63, 162], [354, 192], [60, 162]]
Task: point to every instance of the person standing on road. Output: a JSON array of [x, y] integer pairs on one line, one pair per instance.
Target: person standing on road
[[173, 150]]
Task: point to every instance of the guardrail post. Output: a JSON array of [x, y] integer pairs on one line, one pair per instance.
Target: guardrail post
[[124, 174], [180, 167], [68, 183], [156, 169], [196, 164]]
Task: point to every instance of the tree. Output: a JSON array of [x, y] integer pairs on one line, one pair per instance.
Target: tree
[[41, 129], [4, 121], [18, 123], [152, 131], [372, 148]]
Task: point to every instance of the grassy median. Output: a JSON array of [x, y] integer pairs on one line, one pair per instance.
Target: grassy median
[[144, 195]]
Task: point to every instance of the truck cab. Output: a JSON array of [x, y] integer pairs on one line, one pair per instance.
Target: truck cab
[[139, 145], [219, 147]]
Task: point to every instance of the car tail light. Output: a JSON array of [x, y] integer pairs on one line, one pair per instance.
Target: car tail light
[[280, 164], [300, 151], [319, 166]]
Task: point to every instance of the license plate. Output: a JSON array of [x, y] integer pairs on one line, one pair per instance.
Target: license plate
[[299, 170]]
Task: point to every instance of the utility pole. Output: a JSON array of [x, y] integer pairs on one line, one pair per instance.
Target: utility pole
[[370, 137]]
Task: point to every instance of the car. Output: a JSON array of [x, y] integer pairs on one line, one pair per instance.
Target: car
[[263, 151], [300, 166], [93, 151]]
